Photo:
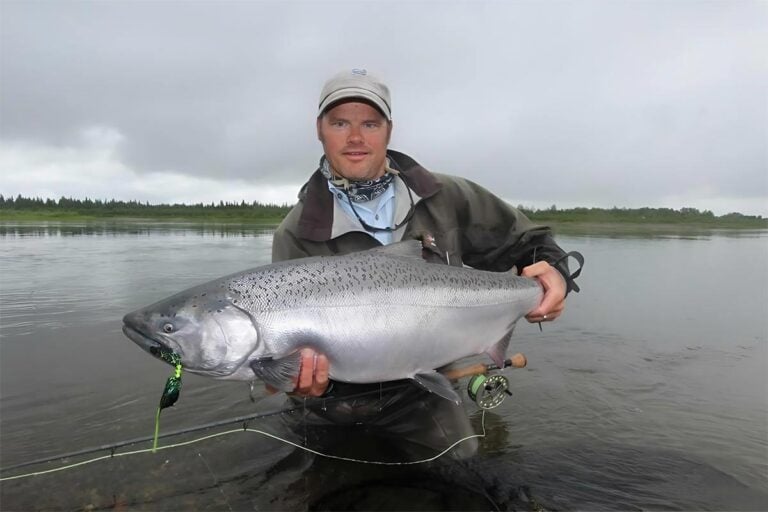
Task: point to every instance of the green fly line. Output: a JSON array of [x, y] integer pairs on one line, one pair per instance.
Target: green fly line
[[255, 431], [171, 393]]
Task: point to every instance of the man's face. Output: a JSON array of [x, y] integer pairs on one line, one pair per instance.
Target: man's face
[[355, 137]]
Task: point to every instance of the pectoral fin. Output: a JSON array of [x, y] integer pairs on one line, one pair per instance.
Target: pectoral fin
[[437, 383], [281, 374], [498, 352]]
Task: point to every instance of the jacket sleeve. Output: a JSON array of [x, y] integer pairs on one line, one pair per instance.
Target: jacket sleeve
[[496, 236], [285, 245]]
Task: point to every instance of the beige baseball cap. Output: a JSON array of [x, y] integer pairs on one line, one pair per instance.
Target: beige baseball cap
[[355, 83]]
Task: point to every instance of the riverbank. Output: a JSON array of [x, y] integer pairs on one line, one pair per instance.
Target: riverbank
[[72, 216], [566, 220], [69, 221]]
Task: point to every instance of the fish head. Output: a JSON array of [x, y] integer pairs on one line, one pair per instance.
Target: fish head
[[204, 326]]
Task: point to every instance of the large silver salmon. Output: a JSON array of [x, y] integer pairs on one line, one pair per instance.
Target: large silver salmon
[[378, 315]]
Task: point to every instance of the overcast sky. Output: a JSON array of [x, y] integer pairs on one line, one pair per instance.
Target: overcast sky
[[606, 103]]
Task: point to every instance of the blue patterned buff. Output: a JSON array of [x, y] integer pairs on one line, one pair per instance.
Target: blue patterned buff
[[359, 191]]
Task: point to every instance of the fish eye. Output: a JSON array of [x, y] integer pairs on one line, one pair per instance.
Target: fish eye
[[168, 328]]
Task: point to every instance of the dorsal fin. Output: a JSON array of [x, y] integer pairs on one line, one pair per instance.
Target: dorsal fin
[[406, 248]]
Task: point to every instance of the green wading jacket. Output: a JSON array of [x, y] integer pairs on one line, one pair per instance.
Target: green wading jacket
[[461, 222]]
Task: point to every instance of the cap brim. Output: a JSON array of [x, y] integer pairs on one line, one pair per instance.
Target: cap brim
[[353, 92]]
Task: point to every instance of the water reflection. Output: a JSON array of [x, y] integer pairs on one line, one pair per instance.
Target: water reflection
[[654, 231], [125, 227], [112, 227]]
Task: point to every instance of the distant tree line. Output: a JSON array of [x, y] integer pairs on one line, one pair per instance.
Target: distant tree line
[[256, 211], [643, 216], [113, 208]]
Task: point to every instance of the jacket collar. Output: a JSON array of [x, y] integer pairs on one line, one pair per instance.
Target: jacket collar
[[316, 220]]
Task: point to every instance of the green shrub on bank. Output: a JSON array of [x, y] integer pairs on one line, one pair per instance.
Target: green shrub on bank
[[66, 208], [22, 208], [644, 216]]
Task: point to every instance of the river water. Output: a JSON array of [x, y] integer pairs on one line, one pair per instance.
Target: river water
[[650, 393]]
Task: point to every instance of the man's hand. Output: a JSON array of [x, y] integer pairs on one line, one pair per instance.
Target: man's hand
[[313, 375], [553, 302]]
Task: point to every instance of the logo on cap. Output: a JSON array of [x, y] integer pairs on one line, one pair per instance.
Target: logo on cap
[[361, 72]]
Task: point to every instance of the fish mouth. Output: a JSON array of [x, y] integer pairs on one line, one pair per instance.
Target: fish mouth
[[151, 345]]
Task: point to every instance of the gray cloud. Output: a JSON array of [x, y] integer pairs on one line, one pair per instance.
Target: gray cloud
[[583, 103]]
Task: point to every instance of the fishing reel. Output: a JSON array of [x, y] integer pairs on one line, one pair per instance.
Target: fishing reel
[[488, 391]]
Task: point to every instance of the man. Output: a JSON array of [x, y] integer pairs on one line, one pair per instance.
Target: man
[[364, 195]]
